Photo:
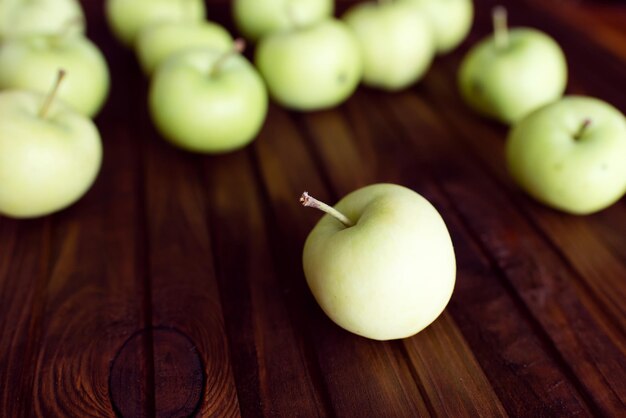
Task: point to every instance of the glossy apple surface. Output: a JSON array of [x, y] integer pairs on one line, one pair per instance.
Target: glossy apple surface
[[127, 17], [571, 154], [157, 42], [258, 18], [20, 17], [395, 40], [31, 62], [389, 275], [310, 68], [203, 110], [450, 20], [510, 82], [46, 164]]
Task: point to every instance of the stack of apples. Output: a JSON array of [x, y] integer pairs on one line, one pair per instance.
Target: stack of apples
[[204, 95], [566, 152], [312, 61], [50, 149]]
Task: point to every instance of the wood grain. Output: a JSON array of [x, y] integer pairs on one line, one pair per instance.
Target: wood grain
[[268, 348], [175, 286], [479, 298], [185, 295]]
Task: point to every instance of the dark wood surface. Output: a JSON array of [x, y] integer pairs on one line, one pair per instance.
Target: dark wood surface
[[174, 288]]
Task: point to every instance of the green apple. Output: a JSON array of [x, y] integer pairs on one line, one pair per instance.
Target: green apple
[[451, 21], [509, 75], [258, 18], [49, 154], [157, 42], [208, 100], [30, 62], [382, 266], [571, 154], [395, 40], [26, 17], [127, 17], [312, 67]]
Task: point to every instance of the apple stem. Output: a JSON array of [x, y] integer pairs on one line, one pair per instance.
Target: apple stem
[[582, 129], [309, 201], [43, 111], [238, 47], [500, 27]]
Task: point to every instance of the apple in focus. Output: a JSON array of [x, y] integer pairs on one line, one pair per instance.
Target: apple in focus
[[570, 154], [157, 42], [507, 76], [208, 100], [127, 17], [31, 62], [450, 20], [47, 162], [390, 271], [310, 68], [395, 40], [258, 18]]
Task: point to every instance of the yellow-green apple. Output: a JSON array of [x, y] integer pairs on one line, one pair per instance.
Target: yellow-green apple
[[381, 262], [258, 18], [50, 155], [510, 74], [208, 100], [157, 42], [27, 17], [127, 17], [450, 20], [395, 40], [571, 154], [31, 62], [312, 67]]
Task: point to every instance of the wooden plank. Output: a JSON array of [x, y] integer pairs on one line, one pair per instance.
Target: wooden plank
[[24, 263], [274, 374], [186, 306], [95, 285], [84, 278], [565, 232], [528, 379], [572, 319], [477, 295], [359, 374], [605, 20], [437, 367]]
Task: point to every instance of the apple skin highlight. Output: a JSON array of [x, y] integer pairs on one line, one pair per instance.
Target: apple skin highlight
[[391, 274]]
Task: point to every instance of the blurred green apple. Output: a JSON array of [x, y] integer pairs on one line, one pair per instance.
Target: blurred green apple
[[387, 270], [30, 62], [208, 100], [157, 42], [395, 40], [509, 75], [127, 17], [451, 21], [28, 17], [49, 154], [571, 154], [312, 67], [258, 18]]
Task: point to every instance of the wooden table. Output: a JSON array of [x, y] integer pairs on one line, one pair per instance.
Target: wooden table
[[175, 286]]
